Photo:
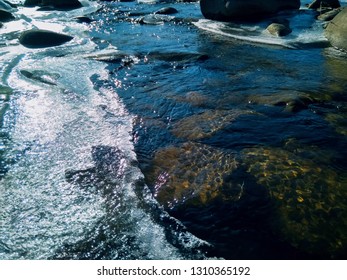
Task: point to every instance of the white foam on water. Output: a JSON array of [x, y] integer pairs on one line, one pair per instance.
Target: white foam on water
[[56, 118], [306, 31]]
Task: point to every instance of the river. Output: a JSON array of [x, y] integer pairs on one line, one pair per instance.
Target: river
[[171, 137]]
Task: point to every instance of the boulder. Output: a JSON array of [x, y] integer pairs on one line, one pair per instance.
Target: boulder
[[58, 4], [337, 29], [278, 29], [42, 38], [244, 10]]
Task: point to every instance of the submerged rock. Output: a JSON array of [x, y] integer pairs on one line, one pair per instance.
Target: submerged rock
[[43, 38], [193, 175], [310, 196], [206, 124], [291, 101], [245, 10], [337, 29]]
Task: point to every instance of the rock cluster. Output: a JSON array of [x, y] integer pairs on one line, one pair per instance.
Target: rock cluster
[[250, 10]]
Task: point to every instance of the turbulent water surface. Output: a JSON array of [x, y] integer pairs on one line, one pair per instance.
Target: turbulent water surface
[[154, 136]]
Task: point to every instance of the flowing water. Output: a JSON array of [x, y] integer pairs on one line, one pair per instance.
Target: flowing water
[[171, 137]]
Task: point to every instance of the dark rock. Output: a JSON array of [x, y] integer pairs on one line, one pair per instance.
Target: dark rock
[[57, 4], [154, 19], [43, 39], [6, 16], [317, 4], [167, 11], [337, 29], [244, 10], [83, 19]]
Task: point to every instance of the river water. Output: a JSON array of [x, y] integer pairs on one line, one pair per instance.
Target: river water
[[171, 137]]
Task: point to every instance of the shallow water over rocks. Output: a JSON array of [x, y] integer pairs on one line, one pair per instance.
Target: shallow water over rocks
[[171, 137]]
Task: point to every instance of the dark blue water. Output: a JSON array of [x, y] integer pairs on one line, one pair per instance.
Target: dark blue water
[[172, 137]]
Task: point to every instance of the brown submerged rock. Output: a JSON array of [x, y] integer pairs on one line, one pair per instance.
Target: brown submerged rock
[[310, 197], [193, 175], [206, 124]]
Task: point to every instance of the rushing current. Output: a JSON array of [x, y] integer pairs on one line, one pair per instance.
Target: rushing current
[[154, 136]]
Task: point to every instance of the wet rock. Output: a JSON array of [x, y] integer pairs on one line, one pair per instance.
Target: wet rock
[[248, 10], [337, 29], [43, 38], [329, 15], [339, 122], [317, 4], [310, 196], [166, 11], [206, 124], [192, 175], [278, 29], [154, 19], [83, 19], [182, 57], [292, 101], [6, 16], [193, 97], [7, 6], [57, 4], [41, 76]]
